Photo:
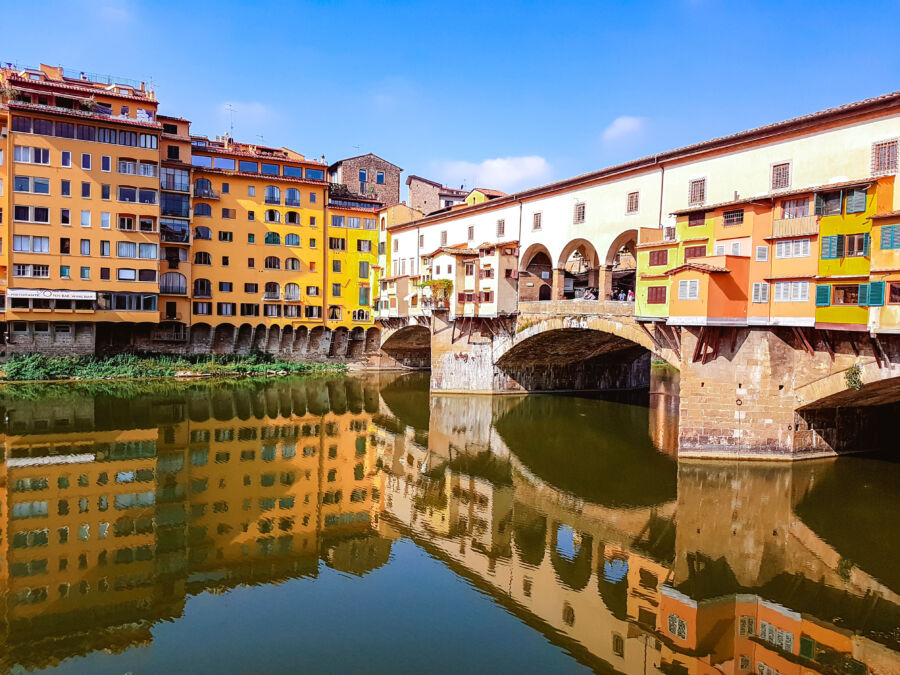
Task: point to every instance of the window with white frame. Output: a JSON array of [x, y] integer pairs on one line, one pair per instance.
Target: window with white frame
[[791, 291], [792, 248], [760, 291], [762, 253], [689, 289]]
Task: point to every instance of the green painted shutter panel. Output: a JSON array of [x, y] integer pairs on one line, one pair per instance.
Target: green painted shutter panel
[[866, 245], [863, 295], [856, 201], [876, 294], [826, 248], [896, 242], [823, 296], [820, 205], [839, 249], [887, 236]]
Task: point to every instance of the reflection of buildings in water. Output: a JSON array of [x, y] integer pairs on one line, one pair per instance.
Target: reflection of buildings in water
[[725, 580], [108, 529]]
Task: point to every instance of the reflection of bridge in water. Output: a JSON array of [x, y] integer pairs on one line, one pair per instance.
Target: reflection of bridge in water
[[121, 506], [719, 575]]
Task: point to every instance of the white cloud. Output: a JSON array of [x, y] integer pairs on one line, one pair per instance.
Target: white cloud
[[624, 127], [114, 11], [503, 173]]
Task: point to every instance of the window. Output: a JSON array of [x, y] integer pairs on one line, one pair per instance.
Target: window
[[894, 294], [501, 228], [363, 269], [735, 217], [273, 195], [105, 192], [443, 239], [694, 252], [631, 202], [65, 188], [856, 245], [337, 243], [762, 253], [790, 291], [292, 264], [364, 246], [797, 248], [659, 257], [697, 191], [677, 626], [85, 218], [29, 155], [697, 218], [829, 203], [228, 213], [795, 208], [336, 266], [202, 233], [760, 291], [336, 290], [354, 222], [65, 159], [273, 238], [689, 289], [656, 295], [40, 186], [202, 258], [127, 194], [173, 152], [890, 236], [471, 232], [202, 288], [85, 190], [536, 221], [202, 308], [379, 177], [85, 160], [884, 157], [856, 201], [85, 272], [204, 210], [781, 176], [579, 213], [272, 263]]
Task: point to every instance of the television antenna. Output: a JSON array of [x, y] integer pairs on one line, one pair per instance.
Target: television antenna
[[230, 109]]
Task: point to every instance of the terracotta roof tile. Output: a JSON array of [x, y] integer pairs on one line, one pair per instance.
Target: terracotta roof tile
[[700, 267]]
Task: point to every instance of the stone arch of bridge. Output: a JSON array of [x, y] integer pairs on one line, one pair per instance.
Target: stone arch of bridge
[[574, 338], [409, 346]]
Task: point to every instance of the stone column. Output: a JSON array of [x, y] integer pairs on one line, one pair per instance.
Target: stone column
[[603, 281], [559, 284]]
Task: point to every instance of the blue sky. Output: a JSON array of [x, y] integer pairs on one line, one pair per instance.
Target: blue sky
[[505, 95]]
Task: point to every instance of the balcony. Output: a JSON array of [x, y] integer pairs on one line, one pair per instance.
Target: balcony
[[273, 201], [176, 185], [206, 193], [171, 236], [291, 202], [271, 295], [173, 289], [792, 227]]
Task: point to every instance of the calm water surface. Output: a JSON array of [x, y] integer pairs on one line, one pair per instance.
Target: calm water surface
[[332, 524]]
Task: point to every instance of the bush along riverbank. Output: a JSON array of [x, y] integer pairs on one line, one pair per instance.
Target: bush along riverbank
[[30, 367]]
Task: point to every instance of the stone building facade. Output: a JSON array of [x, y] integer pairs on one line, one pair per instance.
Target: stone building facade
[[429, 196], [368, 175]]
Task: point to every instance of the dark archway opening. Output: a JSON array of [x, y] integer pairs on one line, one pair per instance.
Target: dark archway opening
[[409, 347]]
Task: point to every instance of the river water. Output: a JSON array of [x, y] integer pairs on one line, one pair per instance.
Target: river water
[[341, 524]]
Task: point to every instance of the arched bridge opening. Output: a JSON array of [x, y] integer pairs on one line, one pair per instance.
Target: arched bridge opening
[[575, 354], [407, 347]]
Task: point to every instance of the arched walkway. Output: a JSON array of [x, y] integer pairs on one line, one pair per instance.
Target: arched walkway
[[578, 271], [535, 274], [620, 266]]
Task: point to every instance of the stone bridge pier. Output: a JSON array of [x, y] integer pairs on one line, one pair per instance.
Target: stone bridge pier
[[745, 392]]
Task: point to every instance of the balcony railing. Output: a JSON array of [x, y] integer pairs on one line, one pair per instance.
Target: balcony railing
[[206, 193], [789, 227], [174, 236], [291, 202], [172, 289], [170, 183], [271, 295], [273, 201]]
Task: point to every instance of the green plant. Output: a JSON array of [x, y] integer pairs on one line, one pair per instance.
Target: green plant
[[853, 377], [440, 289]]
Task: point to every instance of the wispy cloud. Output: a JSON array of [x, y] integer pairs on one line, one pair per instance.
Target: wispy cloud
[[502, 173], [624, 128], [114, 11]]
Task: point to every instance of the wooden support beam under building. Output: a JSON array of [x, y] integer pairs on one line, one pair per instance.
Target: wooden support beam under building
[[701, 341], [828, 344]]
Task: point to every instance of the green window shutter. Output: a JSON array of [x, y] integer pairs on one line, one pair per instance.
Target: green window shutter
[[887, 236], [826, 248], [866, 245], [863, 295], [823, 296], [896, 242], [876, 294], [856, 201], [839, 249], [820, 205]]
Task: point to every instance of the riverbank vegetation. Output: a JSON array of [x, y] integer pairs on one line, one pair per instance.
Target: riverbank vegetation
[[30, 367]]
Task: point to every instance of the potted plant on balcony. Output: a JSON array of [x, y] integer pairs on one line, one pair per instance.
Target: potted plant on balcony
[[441, 290]]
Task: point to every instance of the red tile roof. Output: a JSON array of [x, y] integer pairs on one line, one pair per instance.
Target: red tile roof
[[889, 214], [80, 114], [700, 267]]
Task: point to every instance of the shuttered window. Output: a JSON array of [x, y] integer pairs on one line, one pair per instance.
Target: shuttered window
[[782, 291], [823, 296], [632, 203], [689, 289], [734, 217], [579, 213], [781, 176], [884, 157], [791, 291], [760, 291], [697, 218], [656, 295], [762, 253], [890, 236], [536, 221], [694, 252], [829, 203], [856, 201], [697, 191], [659, 257], [501, 228], [876, 293]]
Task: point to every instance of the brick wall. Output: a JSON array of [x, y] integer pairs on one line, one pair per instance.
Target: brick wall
[[424, 196], [389, 192]]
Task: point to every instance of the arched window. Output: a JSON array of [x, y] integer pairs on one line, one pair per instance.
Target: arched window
[[173, 283], [203, 188], [202, 210], [291, 291], [291, 264], [202, 258], [273, 238], [273, 195], [292, 197], [273, 216], [273, 263], [383, 222], [292, 239], [202, 232], [292, 218], [202, 288], [273, 291]]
